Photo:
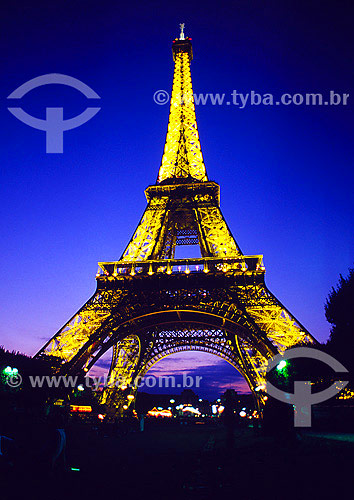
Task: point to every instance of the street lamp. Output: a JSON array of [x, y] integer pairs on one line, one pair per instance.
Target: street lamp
[[282, 364], [260, 388], [10, 371]]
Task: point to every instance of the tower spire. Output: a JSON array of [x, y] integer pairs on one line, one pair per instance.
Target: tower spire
[[182, 155]]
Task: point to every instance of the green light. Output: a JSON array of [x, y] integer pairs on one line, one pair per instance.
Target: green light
[[282, 364], [74, 468], [10, 371]]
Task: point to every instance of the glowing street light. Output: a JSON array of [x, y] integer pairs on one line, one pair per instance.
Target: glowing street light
[[282, 364], [10, 371], [260, 388]]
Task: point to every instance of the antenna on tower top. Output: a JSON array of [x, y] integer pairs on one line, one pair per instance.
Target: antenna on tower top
[[181, 36]]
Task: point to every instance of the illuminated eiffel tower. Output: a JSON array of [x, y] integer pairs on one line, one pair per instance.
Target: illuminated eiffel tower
[[148, 304]]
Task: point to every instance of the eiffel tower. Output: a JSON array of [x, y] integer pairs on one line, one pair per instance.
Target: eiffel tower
[[149, 304]]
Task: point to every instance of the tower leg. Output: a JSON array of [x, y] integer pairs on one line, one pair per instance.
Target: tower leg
[[120, 390]]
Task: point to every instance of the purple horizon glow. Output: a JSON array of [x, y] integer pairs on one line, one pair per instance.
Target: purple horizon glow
[[216, 374]]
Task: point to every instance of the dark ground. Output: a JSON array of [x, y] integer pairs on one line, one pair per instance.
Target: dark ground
[[194, 462]]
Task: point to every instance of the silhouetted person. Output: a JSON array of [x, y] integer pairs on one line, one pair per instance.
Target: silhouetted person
[[229, 418], [53, 437], [278, 420]]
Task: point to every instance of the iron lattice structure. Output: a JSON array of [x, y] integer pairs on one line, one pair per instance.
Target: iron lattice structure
[[149, 304]]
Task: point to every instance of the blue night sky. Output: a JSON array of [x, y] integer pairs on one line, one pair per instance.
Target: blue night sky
[[286, 172]]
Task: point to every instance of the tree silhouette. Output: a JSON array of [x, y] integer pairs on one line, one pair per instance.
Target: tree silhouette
[[339, 310]]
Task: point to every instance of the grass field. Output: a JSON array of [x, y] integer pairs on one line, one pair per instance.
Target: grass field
[[197, 462]]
